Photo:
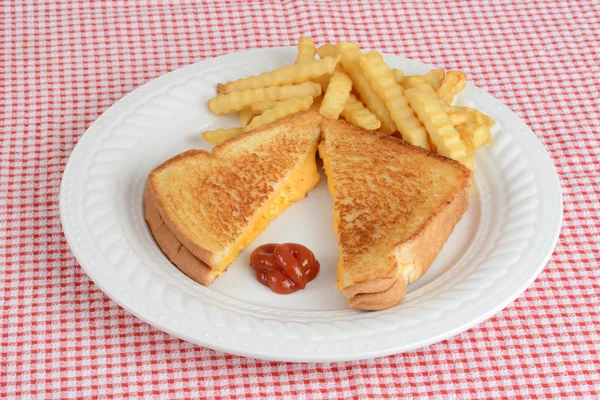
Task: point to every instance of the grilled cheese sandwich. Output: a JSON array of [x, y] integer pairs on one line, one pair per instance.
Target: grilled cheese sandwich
[[213, 205], [394, 207]]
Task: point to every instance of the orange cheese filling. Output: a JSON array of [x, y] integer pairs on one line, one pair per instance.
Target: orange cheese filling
[[300, 182], [336, 215]]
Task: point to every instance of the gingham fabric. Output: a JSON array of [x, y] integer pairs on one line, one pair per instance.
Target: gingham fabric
[[66, 63]]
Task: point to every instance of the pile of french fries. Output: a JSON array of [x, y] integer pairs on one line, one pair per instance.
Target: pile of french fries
[[362, 89]]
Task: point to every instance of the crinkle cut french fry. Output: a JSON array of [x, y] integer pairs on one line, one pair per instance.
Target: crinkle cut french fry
[[236, 101], [468, 160], [288, 75], [417, 81], [327, 50], [336, 95], [221, 135], [382, 81], [261, 107], [281, 110], [457, 118], [439, 127], [316, 104], [431, 145], [245, 116], [458, 115], [476, 135], [357, 114], [452, 84], [306, 50], [350, 53], [474, 116], [398, 75], [420, 82], [434, 77], [323, 79]]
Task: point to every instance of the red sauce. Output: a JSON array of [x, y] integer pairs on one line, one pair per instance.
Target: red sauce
[[285, 268]]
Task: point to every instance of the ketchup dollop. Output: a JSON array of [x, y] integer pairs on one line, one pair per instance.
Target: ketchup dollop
[[285, 268]]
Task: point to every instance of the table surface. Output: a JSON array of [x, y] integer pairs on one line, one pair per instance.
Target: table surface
[[65, 64]]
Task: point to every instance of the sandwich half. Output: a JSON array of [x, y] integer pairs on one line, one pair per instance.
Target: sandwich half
[[395, 205], [204, 208]]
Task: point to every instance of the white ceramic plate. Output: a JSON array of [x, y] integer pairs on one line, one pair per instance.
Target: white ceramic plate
[[496, 251]]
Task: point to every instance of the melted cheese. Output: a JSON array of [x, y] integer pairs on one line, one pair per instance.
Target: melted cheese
[[303, 179], [336, 215]]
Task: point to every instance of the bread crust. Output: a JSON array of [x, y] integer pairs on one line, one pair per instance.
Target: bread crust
[[175, 251], [423, 248], [179, 231], [379, 301], [376, 285]]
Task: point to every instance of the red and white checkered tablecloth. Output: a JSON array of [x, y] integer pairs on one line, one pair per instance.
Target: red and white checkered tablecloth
[[66, 63]]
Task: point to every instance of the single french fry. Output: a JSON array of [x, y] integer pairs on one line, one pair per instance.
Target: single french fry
[[382, 81], [420, 82], [431, 145], [288, 75], [476, 135], [357, 114], [417, 81], [316, 104], [468, 160], [259, 108], [439, 127], [336, 95], [431, 79], [484, 118], [398, 75], [327, 50], [323, 79], [306, 50], [245, 116], [457, 117], [350, 53], [281, 110], [452, 84], [221, 135], [474, 116], [238, 100], [434, 77]]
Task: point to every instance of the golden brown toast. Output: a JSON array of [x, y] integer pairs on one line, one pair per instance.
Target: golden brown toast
[[204, 208], [394, 207]]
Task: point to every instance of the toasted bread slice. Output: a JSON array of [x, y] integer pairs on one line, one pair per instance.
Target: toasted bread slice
[[394, 207], [204, 208]]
